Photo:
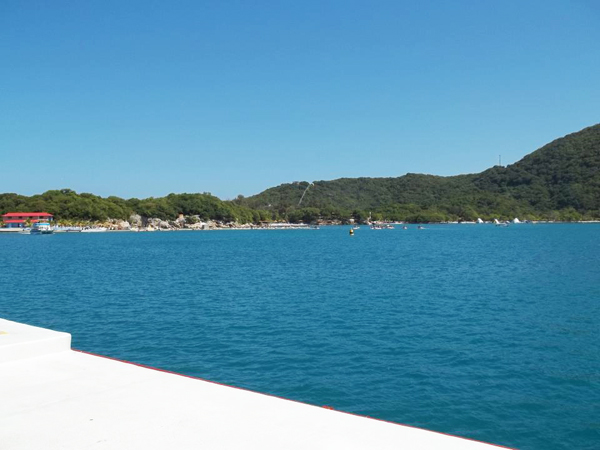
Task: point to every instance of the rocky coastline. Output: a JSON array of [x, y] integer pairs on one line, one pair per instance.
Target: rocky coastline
[[137, 223]]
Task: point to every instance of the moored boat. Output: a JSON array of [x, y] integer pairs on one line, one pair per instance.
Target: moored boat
[[41, 228], [94, 230]]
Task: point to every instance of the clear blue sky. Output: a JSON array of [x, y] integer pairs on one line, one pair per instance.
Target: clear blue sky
[[145, 98]]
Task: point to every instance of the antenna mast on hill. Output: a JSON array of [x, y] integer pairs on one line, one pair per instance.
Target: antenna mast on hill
[[500, 160]]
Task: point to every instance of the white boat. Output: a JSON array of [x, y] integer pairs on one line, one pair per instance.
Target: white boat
[[59, 229], [94, 230], [382, 226], [41, 228]]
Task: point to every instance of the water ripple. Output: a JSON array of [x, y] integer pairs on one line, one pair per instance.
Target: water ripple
[[478, 331]]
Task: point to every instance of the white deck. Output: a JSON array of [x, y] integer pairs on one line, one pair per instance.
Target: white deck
[[54, 398]]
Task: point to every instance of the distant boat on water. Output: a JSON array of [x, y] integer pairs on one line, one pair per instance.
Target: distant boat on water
[[377, 226], [94, 230], [41, 228]]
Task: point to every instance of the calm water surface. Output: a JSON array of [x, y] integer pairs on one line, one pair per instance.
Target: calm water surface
[[485, 332]]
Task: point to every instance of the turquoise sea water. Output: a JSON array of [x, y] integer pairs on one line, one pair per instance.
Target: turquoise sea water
[[484, 332]]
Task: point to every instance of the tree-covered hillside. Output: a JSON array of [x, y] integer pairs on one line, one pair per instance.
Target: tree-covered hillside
[[66, 204], [563, 174], [559, 181]]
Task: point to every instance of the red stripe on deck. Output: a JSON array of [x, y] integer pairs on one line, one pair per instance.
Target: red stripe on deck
[[288, 399]]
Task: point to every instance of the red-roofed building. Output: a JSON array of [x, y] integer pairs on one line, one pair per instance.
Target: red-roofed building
[[19, 219]]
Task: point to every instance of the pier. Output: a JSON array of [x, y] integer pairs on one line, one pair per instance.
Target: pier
[[54, 397]]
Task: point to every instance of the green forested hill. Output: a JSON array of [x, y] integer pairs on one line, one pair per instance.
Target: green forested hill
[[66, 204], [559, 181], [563, 174]]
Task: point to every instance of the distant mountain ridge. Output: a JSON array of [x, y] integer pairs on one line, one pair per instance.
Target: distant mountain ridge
[[562, 175]]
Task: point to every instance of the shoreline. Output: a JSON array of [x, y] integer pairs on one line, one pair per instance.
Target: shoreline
[[99, 229]]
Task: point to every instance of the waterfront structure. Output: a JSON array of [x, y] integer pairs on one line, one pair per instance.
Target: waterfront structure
[[57, 398], [20, 219]]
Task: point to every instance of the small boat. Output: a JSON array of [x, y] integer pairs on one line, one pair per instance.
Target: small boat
[[420, 227], [405, 227], [351, 232], [94, 230], [382, 226], [41, 228]]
